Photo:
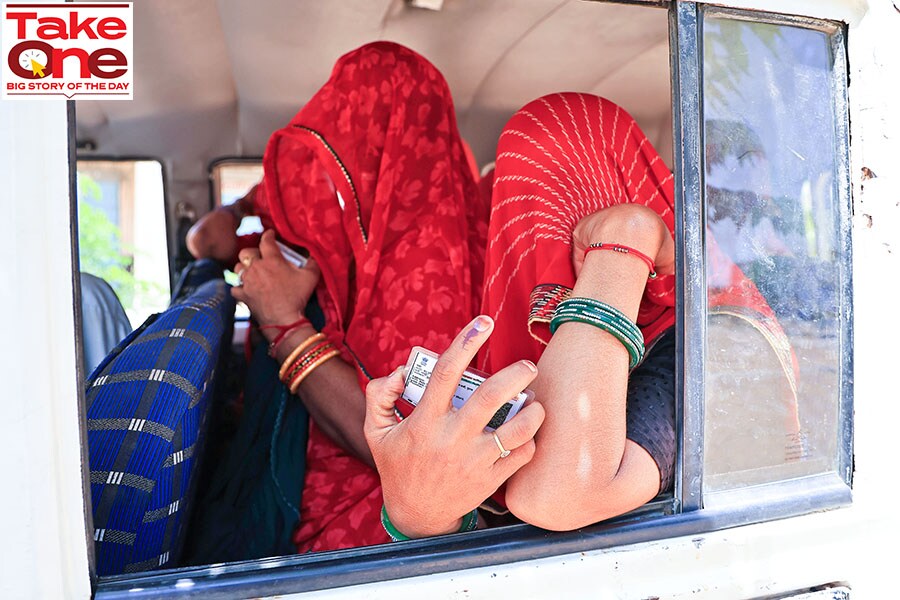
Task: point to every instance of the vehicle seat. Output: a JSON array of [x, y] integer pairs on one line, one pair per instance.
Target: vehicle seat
[[194, 275], [147, 404]]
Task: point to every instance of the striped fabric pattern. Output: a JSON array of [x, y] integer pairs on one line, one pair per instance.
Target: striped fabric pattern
[[147, 404]]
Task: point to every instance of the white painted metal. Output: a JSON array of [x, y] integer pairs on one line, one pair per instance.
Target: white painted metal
[[42, 531], [747, 562]]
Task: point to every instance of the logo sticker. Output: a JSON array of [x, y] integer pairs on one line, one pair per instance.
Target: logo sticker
[[66, 51]]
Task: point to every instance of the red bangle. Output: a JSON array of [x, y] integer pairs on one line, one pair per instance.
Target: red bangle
[[624, 250], [283, 331], [312, 360], [303, 361]]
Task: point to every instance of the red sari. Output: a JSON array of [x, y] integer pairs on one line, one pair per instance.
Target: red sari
[[401, 250], [372, 177]]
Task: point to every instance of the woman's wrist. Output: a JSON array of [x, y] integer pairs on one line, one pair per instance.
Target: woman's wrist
[[414, 527], [290, 341], [630, 225]]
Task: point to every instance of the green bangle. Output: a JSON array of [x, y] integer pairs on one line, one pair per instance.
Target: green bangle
[[392, 531], [605, 317], [601, 319], [469, 523], [635, 353], [598, 308]]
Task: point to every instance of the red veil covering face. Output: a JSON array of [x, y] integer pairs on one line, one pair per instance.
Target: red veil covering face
[[372, 177]]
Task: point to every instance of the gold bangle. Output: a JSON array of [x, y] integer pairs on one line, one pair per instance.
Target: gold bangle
[[312, 367], [298, 351], [304, 359]]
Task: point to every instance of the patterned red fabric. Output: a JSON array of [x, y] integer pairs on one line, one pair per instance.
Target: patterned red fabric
[[559, 159], [401, 249]]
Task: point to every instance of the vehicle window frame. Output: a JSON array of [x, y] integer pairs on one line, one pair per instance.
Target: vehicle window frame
[[215, 192], [687, 511], [691, 287], [80, 156]]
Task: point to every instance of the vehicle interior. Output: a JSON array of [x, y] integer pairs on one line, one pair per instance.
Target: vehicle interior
[[213, 80]]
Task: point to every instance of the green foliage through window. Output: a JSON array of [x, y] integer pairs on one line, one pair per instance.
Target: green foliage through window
[[101, 250]]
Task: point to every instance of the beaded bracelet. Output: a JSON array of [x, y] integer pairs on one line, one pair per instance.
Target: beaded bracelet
[[625, 250], [606, 317], [469, 523]]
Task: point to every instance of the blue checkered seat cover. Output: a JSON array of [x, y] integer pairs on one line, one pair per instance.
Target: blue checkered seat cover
[[147, 404]]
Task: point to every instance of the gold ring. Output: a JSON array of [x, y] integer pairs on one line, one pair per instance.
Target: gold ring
[[503, 451]]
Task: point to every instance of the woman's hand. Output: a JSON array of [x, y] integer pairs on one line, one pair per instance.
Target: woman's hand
[[632, 225], [439, 464], [275, 290]]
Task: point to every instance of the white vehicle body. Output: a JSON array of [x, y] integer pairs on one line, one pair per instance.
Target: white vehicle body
[[45, 508]]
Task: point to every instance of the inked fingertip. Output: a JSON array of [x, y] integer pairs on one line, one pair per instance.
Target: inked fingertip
[[482, 323]]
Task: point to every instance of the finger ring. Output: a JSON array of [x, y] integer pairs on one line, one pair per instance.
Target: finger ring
[[503, 451], [240, 279]]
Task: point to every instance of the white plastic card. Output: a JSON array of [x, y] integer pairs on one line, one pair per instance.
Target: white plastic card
[[419, 367]]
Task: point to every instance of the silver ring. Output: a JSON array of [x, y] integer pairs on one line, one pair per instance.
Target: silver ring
[[503, 451], [240, 280]]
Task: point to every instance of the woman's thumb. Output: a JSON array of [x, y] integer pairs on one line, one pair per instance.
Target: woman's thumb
[[380, 397]]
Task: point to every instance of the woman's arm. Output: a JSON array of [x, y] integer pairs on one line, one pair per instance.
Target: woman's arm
[[276, 293], [584, 469], [214, 235], [332, 396]]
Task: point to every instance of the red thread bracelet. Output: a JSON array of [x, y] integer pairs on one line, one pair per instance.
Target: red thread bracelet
[[625, 250], [283, 331]]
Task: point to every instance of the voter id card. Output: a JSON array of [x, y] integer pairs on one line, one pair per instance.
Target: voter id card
[[290, 255], [418, 371]]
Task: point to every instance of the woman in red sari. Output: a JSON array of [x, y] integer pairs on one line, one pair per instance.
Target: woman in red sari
[[371, 177]]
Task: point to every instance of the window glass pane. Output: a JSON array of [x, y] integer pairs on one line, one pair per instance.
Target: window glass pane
[[773, 255], [231, 180], [122, 232]]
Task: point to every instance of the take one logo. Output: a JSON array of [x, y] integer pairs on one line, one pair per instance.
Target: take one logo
[[72, 50]]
